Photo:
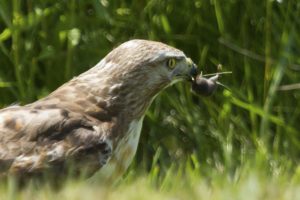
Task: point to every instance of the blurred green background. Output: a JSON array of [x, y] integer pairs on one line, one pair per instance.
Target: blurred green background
[[45, 43]]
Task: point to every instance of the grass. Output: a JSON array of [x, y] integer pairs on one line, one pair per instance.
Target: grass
[[245, 183], [241, 143]]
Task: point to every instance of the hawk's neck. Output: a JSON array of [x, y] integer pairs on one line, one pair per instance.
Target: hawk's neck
[[103, 98]]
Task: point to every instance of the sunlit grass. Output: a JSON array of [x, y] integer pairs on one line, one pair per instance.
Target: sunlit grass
[[247, 182]]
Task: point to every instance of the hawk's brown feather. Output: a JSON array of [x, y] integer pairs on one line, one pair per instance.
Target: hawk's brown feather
[[38, 138]]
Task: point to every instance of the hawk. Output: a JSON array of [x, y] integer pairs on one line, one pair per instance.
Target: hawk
[[93, 122]]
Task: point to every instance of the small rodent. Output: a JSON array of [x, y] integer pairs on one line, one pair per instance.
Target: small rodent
[[204, 86]]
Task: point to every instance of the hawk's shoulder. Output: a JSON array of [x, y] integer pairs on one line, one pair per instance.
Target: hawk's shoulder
[[45, 137]]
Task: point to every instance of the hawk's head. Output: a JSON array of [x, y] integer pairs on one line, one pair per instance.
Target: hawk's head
[[132, 74], [154, 63]]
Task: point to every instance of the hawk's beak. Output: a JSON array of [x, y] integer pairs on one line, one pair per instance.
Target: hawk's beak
[[193, 68], [187, 70]]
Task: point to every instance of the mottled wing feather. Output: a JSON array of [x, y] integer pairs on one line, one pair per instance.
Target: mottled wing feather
[[33, 140]]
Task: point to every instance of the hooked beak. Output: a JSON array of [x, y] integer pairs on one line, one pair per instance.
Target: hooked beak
[[187, 70]]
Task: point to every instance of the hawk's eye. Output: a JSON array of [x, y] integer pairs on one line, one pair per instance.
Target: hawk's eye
[[171, 63]]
